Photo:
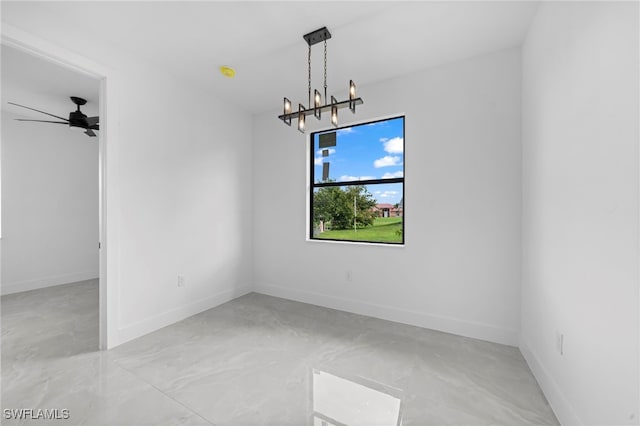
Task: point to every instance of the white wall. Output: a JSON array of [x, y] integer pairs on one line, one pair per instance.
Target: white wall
[[49, 205], [460, 269], [580, 205], [178, 186]]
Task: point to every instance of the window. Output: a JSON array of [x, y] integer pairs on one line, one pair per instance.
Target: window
[[357, 183]]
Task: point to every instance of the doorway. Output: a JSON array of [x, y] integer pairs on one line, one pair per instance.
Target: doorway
[[83, 68]]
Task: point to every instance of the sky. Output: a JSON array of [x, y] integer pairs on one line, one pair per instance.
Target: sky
[[366, 151]]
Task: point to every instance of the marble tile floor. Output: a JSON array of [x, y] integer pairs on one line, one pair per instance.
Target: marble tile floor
[[257, 360]]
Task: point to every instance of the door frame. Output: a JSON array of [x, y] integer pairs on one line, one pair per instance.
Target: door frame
[[107, 154]]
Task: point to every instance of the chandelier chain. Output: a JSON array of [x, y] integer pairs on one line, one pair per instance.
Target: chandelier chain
[[325, 71], [309, 79]]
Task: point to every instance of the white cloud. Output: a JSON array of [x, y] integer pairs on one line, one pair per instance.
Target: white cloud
[[387, 161], [387, 194], [345, 131], [317, 161], [345, 178], [397, 174], [393, 145]]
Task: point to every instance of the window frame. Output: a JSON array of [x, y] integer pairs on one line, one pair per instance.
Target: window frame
[[312, 185]]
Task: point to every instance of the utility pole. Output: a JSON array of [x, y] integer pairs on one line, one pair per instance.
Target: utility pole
[[355, 228]]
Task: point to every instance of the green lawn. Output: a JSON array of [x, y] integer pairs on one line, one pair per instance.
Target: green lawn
[[383, 230]]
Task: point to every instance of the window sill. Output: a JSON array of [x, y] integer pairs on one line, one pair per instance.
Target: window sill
[[359, 243]]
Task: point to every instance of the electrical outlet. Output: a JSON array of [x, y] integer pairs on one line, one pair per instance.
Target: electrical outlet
[[180, 280], [560, 342], [349, 275]]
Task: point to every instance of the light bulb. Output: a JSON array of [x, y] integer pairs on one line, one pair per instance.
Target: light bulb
[[301, 118], [334, 112], [352, 96]]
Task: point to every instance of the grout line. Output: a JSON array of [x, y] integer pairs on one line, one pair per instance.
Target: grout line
[[163, 392]]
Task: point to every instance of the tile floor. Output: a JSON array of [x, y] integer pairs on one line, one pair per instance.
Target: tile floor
[[257, 360]]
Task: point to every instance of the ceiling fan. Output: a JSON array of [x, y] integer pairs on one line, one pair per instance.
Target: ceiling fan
[[76, 118]]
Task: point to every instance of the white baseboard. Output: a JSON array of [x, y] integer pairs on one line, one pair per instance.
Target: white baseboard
[[563, 410], [435, 322], [20, 286], [140, 328]]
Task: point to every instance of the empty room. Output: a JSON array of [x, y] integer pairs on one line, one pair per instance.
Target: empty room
[[320, 213]]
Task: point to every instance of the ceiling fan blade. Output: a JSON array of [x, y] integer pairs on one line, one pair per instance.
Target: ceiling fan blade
[[43, 121], [37, 110], [94, 127], [90, 132], [92, 120]]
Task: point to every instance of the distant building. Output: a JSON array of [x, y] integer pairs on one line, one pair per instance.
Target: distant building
[[388, 210]]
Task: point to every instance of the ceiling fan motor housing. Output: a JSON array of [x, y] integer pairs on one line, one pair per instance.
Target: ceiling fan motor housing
[[77, 119]]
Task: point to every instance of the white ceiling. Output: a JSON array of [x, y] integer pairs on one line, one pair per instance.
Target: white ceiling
[[372, 41]]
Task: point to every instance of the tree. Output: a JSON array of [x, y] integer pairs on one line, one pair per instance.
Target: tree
[[336, 205]]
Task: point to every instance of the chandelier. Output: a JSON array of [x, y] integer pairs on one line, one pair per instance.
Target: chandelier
[[316, 105]]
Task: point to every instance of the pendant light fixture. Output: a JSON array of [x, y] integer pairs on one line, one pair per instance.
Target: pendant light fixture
[[317, 103]]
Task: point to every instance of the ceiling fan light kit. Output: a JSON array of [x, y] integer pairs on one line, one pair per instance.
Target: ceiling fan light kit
[[77, 119], [316, 106]]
